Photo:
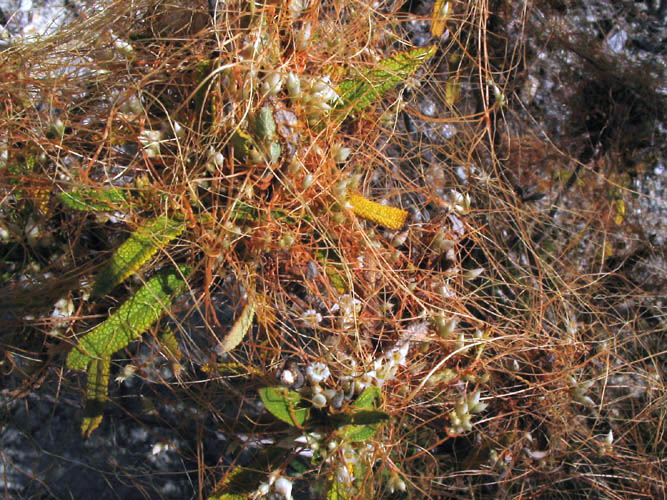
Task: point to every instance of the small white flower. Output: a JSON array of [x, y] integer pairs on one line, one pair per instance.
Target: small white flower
[[319, 400], [126, 374], [317, 372], [446, 327], [150, 140], [63, 308], [343, 475], [311, 318], [179, 131], [161, 447], [131, 106], [262, 490], [287, 377], [284, 487], [395, 483], [458, 201], [123, 46], [398, 353], [349, 455]]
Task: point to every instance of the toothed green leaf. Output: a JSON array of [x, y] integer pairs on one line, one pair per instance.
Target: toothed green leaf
[[283, 404], [97, 386], [131, 319], [149, 237], [361, 91], [96, 200]]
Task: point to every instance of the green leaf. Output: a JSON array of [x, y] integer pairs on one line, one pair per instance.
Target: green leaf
[[360, 92], [96, 200], [265, 126], [362, 425], [131, 319], [358, 433], [239, 330], [97, 386], [366, 400], [149, 237], [242, 144], [366, 417], [282, 403]]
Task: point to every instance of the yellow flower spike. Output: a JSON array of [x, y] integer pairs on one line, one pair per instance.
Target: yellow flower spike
[[389, 217]]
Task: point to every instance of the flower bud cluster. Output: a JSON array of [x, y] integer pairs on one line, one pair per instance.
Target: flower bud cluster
[[465, 408], [579, 389], [317, 97], [458, 201]]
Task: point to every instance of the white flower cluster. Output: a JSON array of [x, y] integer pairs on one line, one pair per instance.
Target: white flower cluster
[[465, 408], [317, 97], [345, 457], [277, 484], [348, 309]]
